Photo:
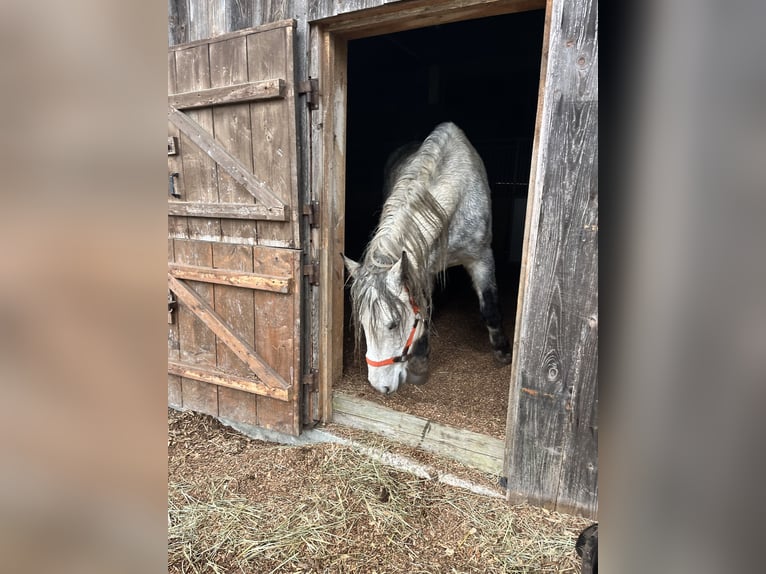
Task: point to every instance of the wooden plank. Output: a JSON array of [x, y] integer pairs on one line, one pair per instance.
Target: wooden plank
[[277, 323], [237, 405], [262, 27], [237, 307], [227, 210], [220, 378], [213, 321], [228, 62], [273, 142], [199, 172], [552, 457], [175, 392], [177, 226], [231, 278], [264, 90], [200, 396], [384, 18], [206, 143], [240, 14], [330, 173], [473, 449], [178, 22], [196, 341]]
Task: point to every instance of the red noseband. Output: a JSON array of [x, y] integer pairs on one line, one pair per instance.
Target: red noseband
[[405, 355]]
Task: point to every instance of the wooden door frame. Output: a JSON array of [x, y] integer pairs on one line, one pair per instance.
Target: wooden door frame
[[328, 60]]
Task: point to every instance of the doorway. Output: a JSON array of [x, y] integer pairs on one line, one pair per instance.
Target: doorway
[[484, 75]]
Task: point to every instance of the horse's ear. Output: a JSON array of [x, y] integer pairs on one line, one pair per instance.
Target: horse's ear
[[351, 265]]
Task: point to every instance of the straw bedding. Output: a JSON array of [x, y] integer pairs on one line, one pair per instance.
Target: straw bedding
[[241, 505]]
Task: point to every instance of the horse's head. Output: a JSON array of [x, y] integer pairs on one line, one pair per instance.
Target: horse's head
[[390, 320]]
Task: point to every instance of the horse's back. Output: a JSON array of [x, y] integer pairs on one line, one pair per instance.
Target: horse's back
[[448, 166], [446, 163]]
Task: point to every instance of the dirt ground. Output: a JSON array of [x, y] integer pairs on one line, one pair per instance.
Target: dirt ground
[[241, 505], [467, 388]]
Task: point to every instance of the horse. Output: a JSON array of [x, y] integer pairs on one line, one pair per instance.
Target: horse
[[436, 214]]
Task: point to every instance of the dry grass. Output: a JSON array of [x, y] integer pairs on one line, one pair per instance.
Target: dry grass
[[258, 507]]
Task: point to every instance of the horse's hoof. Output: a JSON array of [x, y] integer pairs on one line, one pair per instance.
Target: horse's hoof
[[503, 357]]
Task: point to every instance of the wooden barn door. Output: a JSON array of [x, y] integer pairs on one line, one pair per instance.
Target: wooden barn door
[[234, 246], [552, 432]]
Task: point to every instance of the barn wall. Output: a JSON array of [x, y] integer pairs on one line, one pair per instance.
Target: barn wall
[[552, 453]]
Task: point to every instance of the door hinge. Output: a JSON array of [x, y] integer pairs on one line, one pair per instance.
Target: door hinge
[[311, 380], [311, 271], [172, 306], [311, 211], [311, 88]]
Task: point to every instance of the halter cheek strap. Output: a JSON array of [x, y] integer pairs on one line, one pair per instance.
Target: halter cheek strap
[[405, 355]]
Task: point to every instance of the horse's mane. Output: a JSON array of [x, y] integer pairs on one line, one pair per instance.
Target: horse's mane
[[412, 221]]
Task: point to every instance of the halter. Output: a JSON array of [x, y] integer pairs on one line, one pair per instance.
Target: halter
[[404, 356]]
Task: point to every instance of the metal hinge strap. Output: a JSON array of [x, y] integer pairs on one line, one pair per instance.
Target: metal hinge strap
[[311, 211], [311, 380], [311, 271], [310, 88]]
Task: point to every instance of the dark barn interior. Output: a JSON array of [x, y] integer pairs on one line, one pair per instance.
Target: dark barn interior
[[484, 76]]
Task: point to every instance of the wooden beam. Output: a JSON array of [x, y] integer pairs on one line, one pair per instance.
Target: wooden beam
[[263, 90], [473, 449], [217, 377], [213, 321], [228, 210], [232, 278], [223, 158]]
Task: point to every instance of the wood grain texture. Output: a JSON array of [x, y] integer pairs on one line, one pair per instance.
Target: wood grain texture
[[177, 226], [473, 449], [228, 65], [175, 393], [265, 90], [207, 144], [552, 455], [225, 379], [205, 313], [228, 211], [273, 128], [199, 171], [231, 278], [380, 17], [236, 306], [197, 345], [277, 323], [178, 22]]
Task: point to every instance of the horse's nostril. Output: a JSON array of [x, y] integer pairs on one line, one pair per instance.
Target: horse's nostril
[[386, 390]]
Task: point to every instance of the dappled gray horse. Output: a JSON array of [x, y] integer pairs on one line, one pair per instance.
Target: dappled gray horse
[[437, 214]]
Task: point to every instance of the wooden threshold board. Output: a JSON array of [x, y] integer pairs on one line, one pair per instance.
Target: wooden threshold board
[[476, 450]]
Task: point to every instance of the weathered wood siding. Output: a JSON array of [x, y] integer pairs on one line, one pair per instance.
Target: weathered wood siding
[[552, 420], [551, 454], [190, 20]]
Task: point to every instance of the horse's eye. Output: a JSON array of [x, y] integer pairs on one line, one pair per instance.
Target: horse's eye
[[392, 326]]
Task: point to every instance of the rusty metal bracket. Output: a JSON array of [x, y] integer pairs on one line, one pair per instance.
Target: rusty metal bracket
[[310, 88], [311, 271], [311, 380], [311, 212], [172, 306]]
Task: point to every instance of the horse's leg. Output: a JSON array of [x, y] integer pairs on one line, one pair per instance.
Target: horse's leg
[[482, 272]]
